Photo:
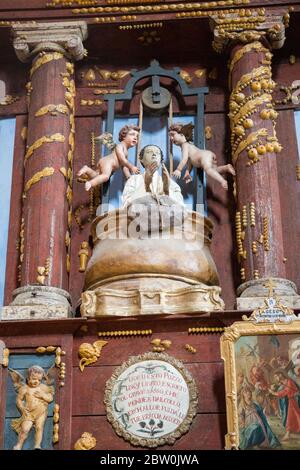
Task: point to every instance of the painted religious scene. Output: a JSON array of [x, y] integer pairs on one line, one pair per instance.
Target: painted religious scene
[[268, 391]]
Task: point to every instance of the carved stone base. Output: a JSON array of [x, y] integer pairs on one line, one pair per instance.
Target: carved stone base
[[116, 302], [37, 302], [252, 294], [34, 312]]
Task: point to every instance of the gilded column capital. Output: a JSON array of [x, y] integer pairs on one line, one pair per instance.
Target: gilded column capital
[[64, 37], [246, 26]]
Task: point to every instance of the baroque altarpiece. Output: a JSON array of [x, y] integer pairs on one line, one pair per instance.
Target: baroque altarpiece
[[115, 295]]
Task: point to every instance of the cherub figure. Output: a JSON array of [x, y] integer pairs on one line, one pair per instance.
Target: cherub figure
[[191, 155], [32, 400], [128, 137]]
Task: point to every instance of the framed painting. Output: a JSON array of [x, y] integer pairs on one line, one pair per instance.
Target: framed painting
[[262, 380]]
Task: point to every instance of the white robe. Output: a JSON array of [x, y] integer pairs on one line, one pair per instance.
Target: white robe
[[135, 189]]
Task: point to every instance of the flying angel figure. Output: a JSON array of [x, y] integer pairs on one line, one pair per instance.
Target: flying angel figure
[[106, 166]]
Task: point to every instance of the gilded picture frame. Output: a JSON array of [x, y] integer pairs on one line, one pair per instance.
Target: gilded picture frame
[[262, 376]]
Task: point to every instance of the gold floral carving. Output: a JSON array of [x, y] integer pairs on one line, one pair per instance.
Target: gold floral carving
[[289, 91], [170, 438], [186, 77], [41, 141], [63, 171], [125, 333], [104, 91], [24, 133], [208, 132], [91, 102], [58, 360], [228, 339], [257, 73], [86, 442], [190, 348], [44, 59], [113, 75], [200, 73], [43, 271], [47, 171], [4, 360], [160, 345], [250, 107], [9, 99], [253, 46], [52, 109], [251, 138], [90, 353], [55, 437]]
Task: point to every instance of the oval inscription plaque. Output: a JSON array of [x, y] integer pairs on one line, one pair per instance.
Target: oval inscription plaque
[[151, 399]]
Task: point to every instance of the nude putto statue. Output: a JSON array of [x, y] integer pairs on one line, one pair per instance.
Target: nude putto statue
[[191, 155], [33, 399], [106, 166]]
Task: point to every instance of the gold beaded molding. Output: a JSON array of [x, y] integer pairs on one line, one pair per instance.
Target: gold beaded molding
[[163, 7], [204, 330], [125, 333], [58, 362], [141, 26], [55, 436], [69, 84], [71, 3]]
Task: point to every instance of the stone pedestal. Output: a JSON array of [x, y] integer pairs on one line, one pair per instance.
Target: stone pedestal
[[36, 302], [252, 294]]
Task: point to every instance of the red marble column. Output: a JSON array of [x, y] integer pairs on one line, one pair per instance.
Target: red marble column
[[249, 35], [45, 203], [48, 161], [252, 119], [255, 149]]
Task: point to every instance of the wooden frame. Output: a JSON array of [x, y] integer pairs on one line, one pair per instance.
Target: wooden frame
[[262, 361]]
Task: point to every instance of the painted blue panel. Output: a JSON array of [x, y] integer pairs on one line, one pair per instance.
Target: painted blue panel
[[21, 362], [155, 131], [7, 136], [11, 436], [297, 123]]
